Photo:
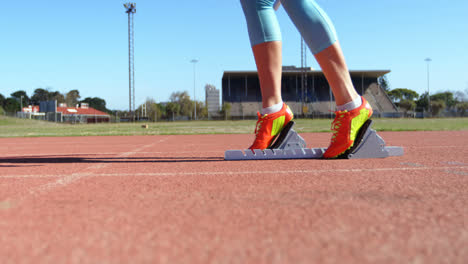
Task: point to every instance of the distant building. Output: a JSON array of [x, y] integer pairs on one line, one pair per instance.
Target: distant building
[[31, 112], [49, 111], [31, 109], [242, 90], [82, 114], [212, 100]]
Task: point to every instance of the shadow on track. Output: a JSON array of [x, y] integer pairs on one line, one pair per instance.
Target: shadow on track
[[17, 166], [76, 159]]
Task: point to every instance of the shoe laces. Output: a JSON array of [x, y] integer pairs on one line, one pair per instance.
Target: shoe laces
[[259, 123], [336, 124]]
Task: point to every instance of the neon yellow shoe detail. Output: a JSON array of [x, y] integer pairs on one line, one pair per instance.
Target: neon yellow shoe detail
[[345, 128], [269, 126]]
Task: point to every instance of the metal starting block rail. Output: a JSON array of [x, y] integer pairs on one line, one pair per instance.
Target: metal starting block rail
[[290, 145]]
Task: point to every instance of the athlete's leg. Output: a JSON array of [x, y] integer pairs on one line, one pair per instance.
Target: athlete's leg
[[269, 66], [319, 34], [334, 67], [265, 39]]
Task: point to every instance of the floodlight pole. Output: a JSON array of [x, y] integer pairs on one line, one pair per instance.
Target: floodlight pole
[[303, 75], [428, 60], [130, 10], [194, 61]]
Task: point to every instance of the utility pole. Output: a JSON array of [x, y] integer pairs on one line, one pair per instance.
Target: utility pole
[[143, 110], [194, 61], [130, 10], [428, 60]]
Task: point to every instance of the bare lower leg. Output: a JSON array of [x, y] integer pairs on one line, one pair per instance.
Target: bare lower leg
[[334, 67], [269, 65]]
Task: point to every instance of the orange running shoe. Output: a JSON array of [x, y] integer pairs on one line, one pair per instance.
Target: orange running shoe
[[269, 126], [345, 128]]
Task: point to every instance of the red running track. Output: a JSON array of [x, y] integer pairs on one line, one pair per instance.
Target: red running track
[[172, 199]]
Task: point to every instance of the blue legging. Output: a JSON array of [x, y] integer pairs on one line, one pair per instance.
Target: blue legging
[[311, 21]]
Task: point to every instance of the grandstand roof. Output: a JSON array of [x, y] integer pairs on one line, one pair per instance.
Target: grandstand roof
[[310, 71]]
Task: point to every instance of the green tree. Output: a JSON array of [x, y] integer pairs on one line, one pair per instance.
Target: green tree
[[185, 103], [423, 102], [39, 95], [72, 98], [402, 94], [11, 105], [462, 108], [202, 110], [446, 97], [96, 103], [2, 100], [461, 96], [162, 111], [154, 111], [172, 109], [384, 83], [437, 107], [226, 111], [407, 105], [57, 96], [21, 95]]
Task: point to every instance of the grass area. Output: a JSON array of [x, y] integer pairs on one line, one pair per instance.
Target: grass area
[[13, 127]]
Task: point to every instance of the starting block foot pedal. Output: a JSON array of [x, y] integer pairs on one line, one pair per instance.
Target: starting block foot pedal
[[288, 139], [290, 145], [369, 144]]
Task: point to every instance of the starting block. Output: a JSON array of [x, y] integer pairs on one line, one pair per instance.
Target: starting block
[[290, 145]]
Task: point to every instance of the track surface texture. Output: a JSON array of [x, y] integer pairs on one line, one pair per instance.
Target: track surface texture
[[173, 199]]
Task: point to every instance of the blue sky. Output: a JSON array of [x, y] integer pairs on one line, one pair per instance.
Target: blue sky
[[65, 45]]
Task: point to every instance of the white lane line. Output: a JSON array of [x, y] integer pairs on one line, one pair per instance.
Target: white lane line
[[462, 146], [276, 172], [247, 172], [12, 202]]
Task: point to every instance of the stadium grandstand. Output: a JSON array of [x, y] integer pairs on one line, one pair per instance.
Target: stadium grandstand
[[309, 98]]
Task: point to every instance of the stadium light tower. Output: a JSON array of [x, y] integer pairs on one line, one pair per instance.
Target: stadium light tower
[[303, 75], [428, 60], [194, 61], [130, 9]]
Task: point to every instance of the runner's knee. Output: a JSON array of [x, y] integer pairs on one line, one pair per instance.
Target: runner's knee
[[262, 23], [312, 22]]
